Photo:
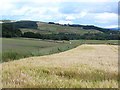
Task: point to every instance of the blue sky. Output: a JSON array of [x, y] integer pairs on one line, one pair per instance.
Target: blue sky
[[103, 13]]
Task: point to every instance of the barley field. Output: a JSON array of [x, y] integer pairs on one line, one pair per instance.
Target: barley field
[[86, 66]]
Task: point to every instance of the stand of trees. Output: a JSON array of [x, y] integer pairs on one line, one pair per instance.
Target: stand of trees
[[62, 36], [8, 30], [25, 24]]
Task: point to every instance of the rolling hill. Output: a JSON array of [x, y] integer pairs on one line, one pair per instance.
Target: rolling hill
[[51, 30]]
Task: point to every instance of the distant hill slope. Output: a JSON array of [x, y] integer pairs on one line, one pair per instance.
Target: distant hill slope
[[115, 29], [55, 28], [46, 28]]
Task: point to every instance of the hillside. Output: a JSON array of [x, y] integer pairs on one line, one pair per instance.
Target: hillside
[[56, 29], [69, 69], [43, 30]]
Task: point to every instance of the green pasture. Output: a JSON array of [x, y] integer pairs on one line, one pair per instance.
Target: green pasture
[[16, 48]]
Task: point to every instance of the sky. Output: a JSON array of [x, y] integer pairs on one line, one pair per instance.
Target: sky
[[103, 13]]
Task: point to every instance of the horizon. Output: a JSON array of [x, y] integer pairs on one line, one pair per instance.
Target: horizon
[[102, 13], [64, 24]]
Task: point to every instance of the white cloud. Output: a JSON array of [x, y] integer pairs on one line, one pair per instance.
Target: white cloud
[[21, 11], [97, 0], [70, 18], [38, 1], [106, 17], [111, 26], [48, 10], [6, 7], [65, 22], [83, 14]]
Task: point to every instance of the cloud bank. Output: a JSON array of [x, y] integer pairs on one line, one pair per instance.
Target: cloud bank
[[102, 13]]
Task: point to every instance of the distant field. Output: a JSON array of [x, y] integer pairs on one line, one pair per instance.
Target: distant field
[[87, 66], [15, 48]]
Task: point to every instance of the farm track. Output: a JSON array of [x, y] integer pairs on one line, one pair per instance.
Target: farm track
[[87, 58]]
